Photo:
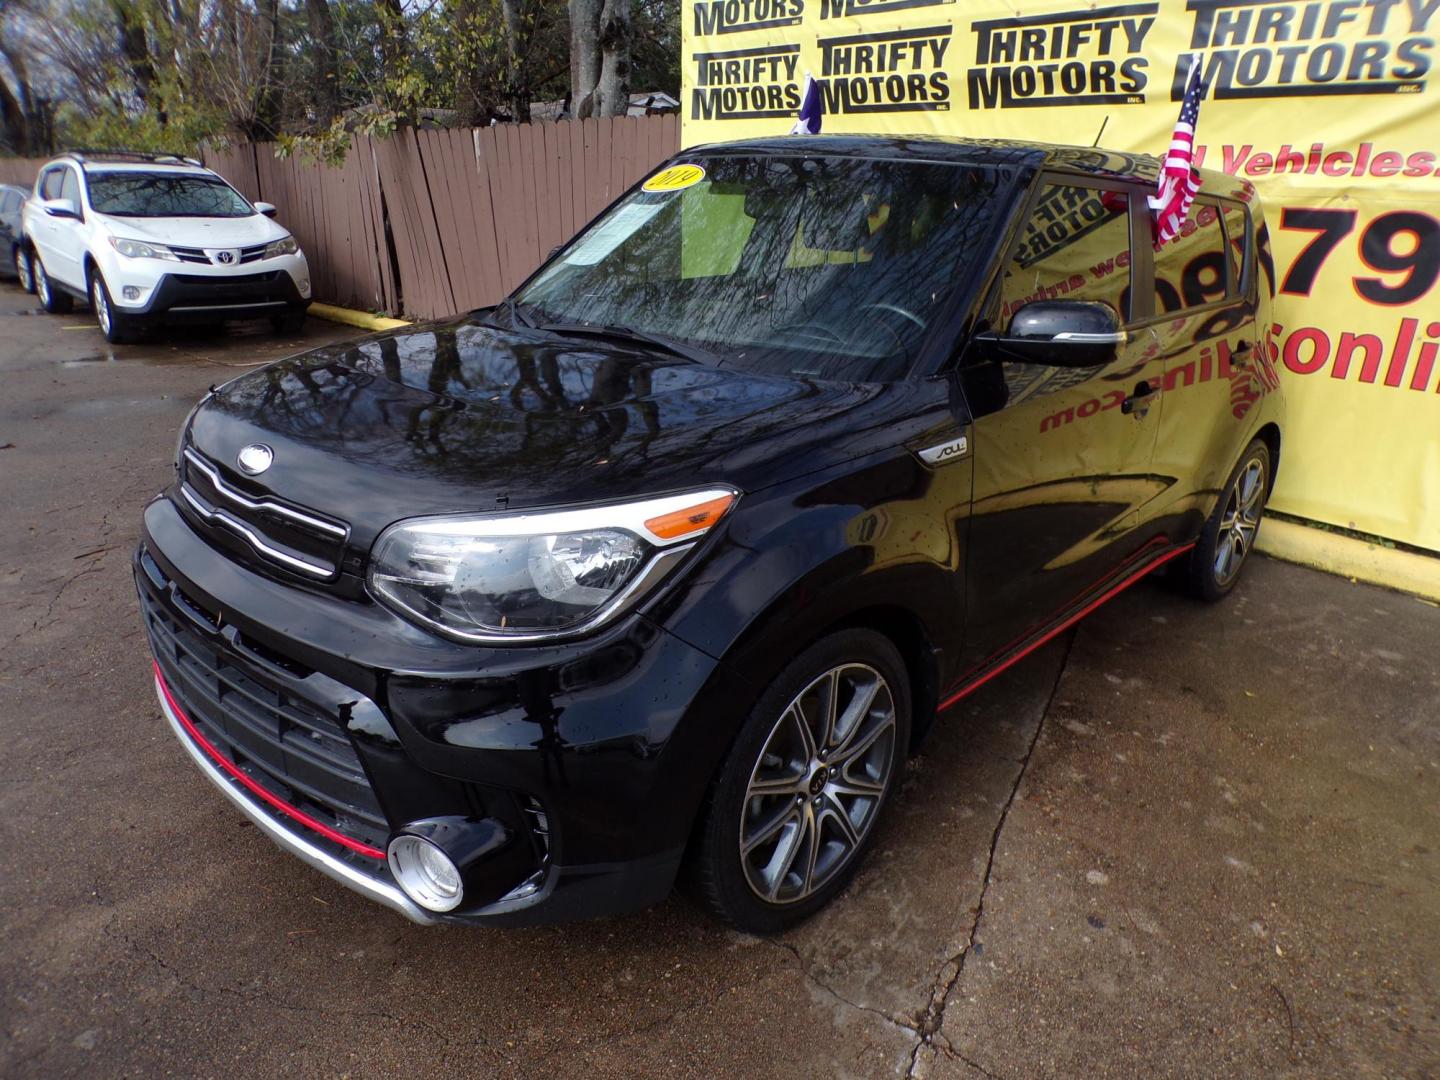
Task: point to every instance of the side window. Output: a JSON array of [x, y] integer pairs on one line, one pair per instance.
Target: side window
[[1075, 246], [7, 204], [1235, 233], [70, 186], [1190, 270], [50, 183]]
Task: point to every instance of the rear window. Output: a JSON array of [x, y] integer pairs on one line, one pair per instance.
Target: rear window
[[1190, 270]]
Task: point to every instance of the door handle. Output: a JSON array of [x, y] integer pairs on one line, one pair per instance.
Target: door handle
[[1138, 403]]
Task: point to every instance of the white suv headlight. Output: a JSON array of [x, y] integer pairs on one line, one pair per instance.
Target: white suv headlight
[[138, 249], [523, 577], [288, 246]]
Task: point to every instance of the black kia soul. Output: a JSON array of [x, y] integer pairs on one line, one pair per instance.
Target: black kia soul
[[668, 561]]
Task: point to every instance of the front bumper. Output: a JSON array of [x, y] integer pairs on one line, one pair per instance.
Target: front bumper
[[292, 840], [615, 738], [183, 292]]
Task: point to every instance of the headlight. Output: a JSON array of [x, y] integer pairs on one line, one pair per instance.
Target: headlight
[[138, 249], [518, 577], [288, 246]]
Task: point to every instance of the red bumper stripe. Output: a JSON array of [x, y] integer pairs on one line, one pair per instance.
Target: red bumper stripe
[[252, 786], [1116, 590]]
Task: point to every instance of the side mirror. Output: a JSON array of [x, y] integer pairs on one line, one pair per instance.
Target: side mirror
[[1061, 333], [268, 209], [61, 208]]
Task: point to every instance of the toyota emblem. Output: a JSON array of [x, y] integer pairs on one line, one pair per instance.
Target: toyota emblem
[[255, 458], [226, 257]]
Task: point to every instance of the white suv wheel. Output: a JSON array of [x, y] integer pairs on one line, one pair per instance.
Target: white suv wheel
[[100, 304], [23, 271]]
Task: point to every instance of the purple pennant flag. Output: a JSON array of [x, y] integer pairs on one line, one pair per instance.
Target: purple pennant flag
[[809, 122]]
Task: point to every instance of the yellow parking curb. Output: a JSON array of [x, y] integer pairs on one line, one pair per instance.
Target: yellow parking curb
[[363, 319], [1352, 558]]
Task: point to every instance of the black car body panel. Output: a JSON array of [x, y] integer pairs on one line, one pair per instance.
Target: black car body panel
[[965, 512], [12, 203]]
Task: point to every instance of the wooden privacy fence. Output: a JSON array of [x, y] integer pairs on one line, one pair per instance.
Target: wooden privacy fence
[[20, 170], [431, 222]]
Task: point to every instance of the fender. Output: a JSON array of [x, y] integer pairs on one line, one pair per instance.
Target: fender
[[858, 545]]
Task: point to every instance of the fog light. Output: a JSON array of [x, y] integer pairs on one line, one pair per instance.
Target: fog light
[[304, 286], [131, 292], [425, 873]]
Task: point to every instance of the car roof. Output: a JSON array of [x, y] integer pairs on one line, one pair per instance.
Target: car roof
[[97, 168], [1092, 160]]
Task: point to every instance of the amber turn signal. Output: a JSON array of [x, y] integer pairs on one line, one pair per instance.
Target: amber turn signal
[[690, 520]]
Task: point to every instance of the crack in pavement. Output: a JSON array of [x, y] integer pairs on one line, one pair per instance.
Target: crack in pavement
[[810, 977], [929, 1021]]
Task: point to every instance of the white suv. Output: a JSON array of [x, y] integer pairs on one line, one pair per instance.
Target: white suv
[[150, 239]]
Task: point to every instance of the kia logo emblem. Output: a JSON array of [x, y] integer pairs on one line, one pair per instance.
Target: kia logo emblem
[[255, 458], [225, 257]]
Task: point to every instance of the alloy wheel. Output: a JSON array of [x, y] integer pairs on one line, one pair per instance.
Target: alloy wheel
[[101, 303], [22, 270], [42, 285], [1240, 522], [816, 789]]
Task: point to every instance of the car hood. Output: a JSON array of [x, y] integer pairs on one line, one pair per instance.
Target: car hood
[[196, 231], [461, 417]]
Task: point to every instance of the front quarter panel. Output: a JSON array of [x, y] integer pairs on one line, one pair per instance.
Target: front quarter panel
[[883, 534]]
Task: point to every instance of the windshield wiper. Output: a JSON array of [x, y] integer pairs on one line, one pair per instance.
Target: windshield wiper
[[517, 316], [618, 332]]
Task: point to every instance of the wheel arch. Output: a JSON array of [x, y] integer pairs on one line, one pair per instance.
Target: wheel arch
[[1269, 434]]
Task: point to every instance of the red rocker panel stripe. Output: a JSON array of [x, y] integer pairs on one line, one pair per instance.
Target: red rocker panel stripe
[[1114, 591], [254, 787]]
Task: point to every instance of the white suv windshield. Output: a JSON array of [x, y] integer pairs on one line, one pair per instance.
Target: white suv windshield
[[830, 268], [140, 194]]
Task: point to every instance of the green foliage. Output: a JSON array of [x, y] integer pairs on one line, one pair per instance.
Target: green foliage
[[177, 74]]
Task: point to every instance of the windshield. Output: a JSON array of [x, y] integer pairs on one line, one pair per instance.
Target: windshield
[[828, 268], [140, 194]]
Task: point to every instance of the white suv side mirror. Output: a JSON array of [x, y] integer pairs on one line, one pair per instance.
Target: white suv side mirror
[[61, 208], [268, 209]]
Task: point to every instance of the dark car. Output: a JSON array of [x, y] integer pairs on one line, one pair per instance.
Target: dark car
[[667, 562], [12, 201]]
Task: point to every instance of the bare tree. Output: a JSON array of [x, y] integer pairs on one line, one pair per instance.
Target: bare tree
[[600, 57], [322, 34], [584, 55], [612, 92]]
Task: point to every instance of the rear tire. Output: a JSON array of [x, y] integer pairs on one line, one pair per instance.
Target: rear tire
[[55, 301], [24, 273], [117, 328], [1229, 535], [792, 811]]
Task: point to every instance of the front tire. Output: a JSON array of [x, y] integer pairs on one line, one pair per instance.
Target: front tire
[[117, 328], [792, 812], [55, 301], [24, 272], [1229, 535]]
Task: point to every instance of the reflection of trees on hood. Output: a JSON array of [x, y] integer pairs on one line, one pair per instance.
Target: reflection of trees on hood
[[467, 401]]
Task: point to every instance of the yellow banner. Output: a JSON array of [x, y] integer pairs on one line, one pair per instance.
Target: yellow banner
[[1327, 105]]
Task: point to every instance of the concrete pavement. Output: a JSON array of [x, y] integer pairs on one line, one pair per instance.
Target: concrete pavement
[[1180, 840]]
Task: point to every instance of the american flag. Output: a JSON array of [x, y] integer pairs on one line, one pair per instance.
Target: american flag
[[809, 122], [1178, 179]]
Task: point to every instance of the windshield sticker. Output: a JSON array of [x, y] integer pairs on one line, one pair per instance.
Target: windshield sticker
[[675, 178], [611, 233]]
